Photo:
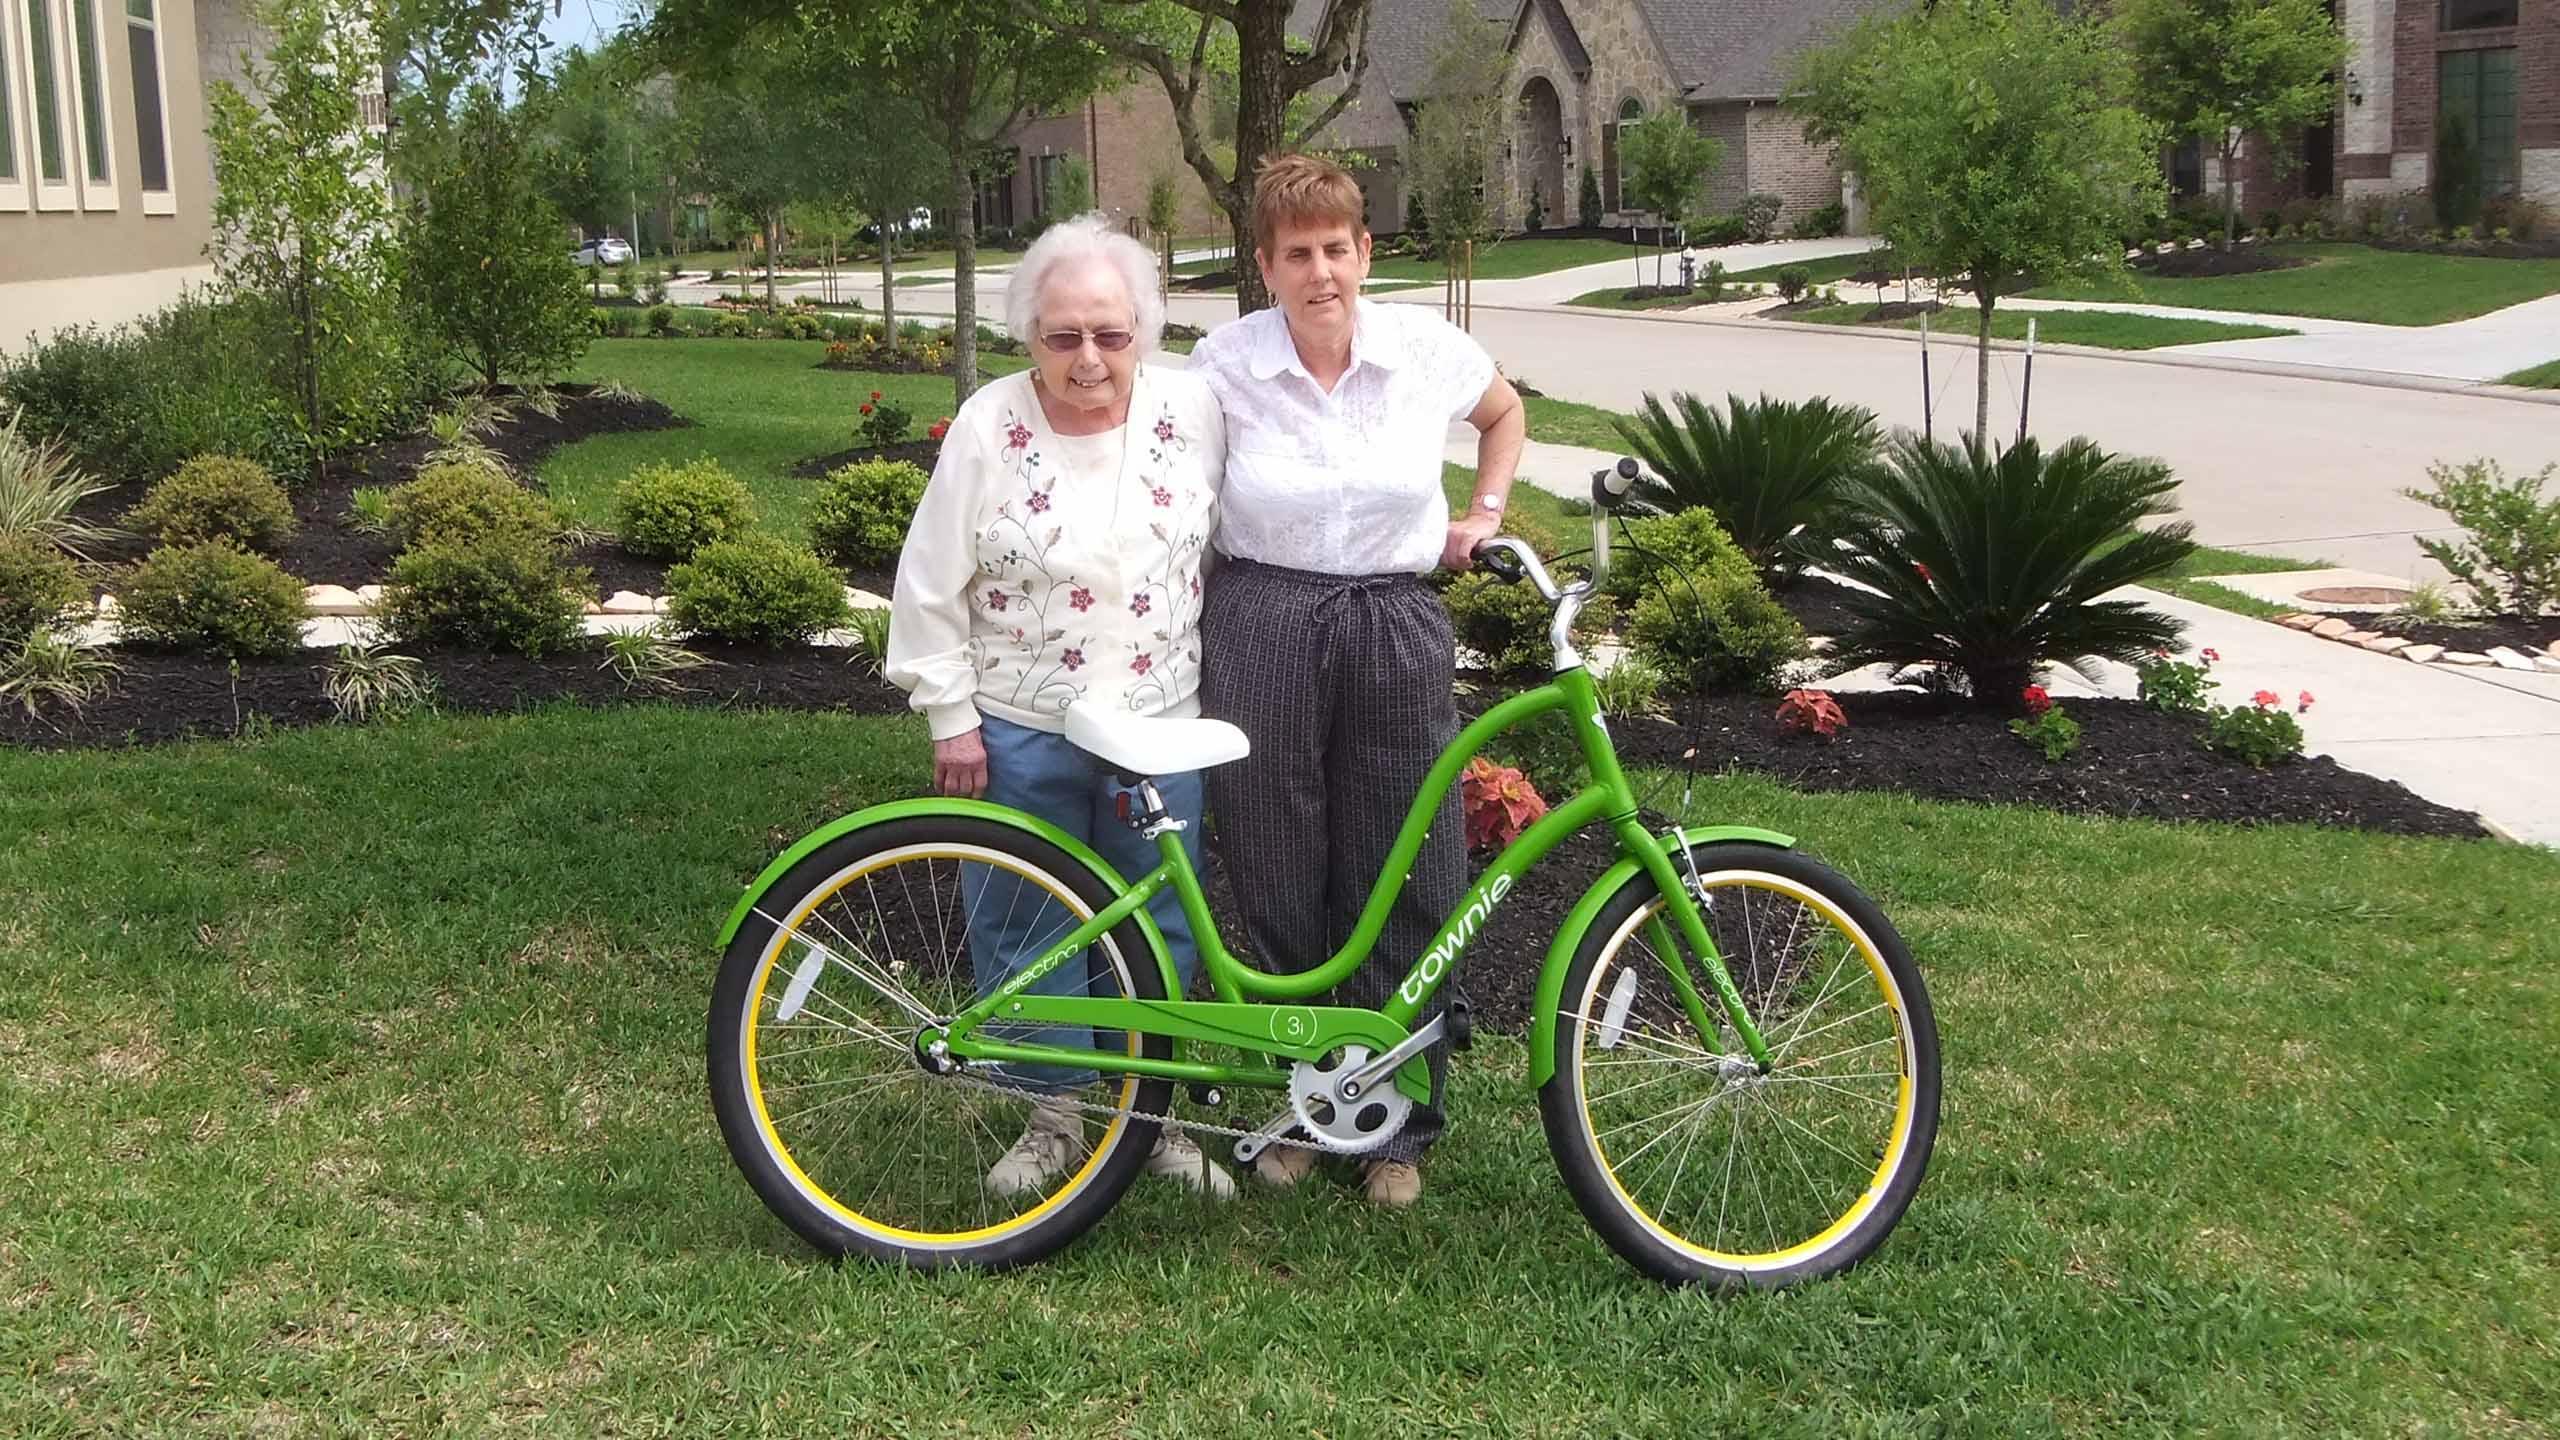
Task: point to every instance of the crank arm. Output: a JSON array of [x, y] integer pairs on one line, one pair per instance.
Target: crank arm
[[1361, 1081], [1250, 1148]]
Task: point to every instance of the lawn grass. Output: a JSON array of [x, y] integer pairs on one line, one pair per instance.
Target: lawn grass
[[758, 406], [353, 1081], [2539, 377], [1606, 298], [1828, 270], [2102, 328], [2349, 282], [1569, 422], [2182, 579]]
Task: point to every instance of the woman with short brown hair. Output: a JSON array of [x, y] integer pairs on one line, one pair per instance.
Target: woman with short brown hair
[[1320, 639]]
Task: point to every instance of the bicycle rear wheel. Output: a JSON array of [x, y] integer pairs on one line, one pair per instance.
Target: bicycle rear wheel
[[1688, 1161], [814, 1074]]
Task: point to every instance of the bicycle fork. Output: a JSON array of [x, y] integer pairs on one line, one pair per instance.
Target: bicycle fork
[[1686, 899]]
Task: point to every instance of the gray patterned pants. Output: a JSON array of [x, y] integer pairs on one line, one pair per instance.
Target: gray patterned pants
[[1343, 683]]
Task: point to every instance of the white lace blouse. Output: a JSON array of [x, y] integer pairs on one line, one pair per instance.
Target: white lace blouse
[[1039, 575], [1346, 483]]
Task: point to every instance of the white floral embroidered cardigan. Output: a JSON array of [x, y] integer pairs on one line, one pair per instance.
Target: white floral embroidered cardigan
[[1025, 588]]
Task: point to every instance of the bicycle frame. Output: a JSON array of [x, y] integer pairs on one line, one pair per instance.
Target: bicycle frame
[[1245, 1015]]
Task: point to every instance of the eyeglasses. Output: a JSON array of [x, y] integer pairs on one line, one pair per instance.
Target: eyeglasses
[[1068, 341]]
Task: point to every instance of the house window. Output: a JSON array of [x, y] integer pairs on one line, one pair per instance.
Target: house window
[[2186, 167], [1044, 174], [2477, 89], [2475, 14], [49, 131], [13, 169], [150, 110], [89, 93]]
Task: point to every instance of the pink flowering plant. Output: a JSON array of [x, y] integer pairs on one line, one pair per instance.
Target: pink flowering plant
[[2044, 725], [2177, 687], [2261, 732]]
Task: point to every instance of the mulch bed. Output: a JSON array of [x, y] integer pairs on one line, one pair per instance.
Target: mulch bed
[[1211, 280], [2529, 633], [327, 551], [2212, 260], [920, 453], [161, 697]]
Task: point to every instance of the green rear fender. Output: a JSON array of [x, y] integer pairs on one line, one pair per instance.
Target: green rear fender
[[1542, 1015], [935, 807]]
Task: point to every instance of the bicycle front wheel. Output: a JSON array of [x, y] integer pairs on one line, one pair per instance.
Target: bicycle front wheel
[[1688, 1160], [826, 1106]]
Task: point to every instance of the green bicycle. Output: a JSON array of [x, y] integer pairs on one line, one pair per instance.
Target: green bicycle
[[1734, 1055]]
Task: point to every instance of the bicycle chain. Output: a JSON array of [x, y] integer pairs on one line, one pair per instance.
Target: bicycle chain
[[1188, 1126]]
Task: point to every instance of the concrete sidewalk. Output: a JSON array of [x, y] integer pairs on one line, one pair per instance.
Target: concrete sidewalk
[[2484, 348]]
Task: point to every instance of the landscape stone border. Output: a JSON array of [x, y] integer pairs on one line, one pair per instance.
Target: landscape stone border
[[2504, 657]]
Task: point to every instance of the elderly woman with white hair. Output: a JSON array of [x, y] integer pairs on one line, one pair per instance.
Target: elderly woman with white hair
[[1056, 561]]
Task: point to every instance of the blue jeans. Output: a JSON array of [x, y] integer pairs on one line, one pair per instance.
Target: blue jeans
[[1047, 776]]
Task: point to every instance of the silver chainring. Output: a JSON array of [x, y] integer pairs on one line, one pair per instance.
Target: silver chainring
[[1353, 1127]]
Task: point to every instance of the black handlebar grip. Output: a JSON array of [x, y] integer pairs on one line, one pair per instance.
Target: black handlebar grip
[[1501, 561], [1609, 487]]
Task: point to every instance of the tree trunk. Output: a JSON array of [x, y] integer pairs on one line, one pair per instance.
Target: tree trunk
[[2230, 200], [1982, 369], [1262, 118], [962, 196], [772, 253], [888, 288]]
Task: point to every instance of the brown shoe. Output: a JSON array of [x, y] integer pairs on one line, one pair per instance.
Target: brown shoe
[[1282, 1166], [1393, 1184]]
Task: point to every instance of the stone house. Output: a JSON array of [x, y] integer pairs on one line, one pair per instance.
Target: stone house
[[1582, 68], [106, 180]]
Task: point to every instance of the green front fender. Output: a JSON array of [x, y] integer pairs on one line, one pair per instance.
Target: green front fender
[[932, 806], [1542, 1015]]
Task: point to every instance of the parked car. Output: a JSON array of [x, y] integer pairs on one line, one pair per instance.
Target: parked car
[[603, 251]]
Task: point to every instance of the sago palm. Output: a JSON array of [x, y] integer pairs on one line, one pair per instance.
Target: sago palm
[[1771, 471], [1993, 563]]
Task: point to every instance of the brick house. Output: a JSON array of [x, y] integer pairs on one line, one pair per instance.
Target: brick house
[[2495, 62], [1583, 67]]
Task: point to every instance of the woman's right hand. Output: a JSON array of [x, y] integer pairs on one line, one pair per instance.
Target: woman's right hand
[[960, 765]]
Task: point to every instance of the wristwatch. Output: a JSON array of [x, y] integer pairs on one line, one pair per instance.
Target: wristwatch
[[1489, 503]]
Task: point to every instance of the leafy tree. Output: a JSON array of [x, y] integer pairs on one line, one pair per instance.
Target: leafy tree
[[607, 121], [302, 221], [1666, 163], [1995, 144], [486, 269], [1070, 189], [971, 68], [2222, 70], [890, 174], [1201, 50], [1457, 139], [1164, 212]]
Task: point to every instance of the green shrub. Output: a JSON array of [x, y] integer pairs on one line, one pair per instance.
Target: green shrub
[[504, 590], [733, 327], [668, 512], [1793, 281], [1506, 624], [216, 497], [1996, 562], [134, 402], [863, 510], [1729, 635], [1657, 548], [1760, 215], [662, 318], [2509, 558], [212, 596], [463, 504], [2259, 734], [38, 587], [1771, 471], [756, 590]]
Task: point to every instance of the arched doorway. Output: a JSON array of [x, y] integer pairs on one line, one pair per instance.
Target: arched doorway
[[1542, 170]]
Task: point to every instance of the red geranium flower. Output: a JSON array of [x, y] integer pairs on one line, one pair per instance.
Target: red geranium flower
[[866, 409], [875, 394], [2306, 702], [2212, 656], [2036, 700], [2267, 699]]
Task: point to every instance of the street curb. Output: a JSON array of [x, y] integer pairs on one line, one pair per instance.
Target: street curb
[[2376, 379]]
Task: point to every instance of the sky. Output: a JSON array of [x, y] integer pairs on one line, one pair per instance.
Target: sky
[[582, 24]]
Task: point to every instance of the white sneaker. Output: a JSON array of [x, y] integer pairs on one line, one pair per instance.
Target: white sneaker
[[1050, 1145], [1179, 1156]]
